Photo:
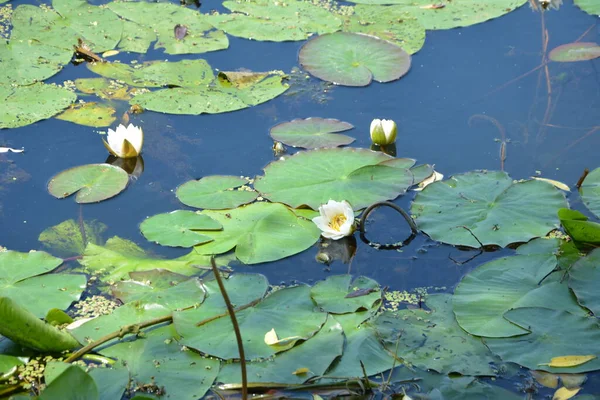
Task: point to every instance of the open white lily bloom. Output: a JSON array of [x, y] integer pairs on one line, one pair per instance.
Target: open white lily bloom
[[383, 131], [124, 142], [336, 220]]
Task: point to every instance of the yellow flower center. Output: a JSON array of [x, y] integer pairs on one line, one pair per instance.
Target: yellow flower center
[[337, 221]]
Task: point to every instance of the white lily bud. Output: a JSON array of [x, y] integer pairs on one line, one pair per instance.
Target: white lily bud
[[383, 131], [124, 142]]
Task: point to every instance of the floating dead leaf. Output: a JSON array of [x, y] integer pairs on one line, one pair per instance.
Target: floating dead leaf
[[301, 371], [565, 394], [110, 53], [436, 176], [7, 149], [180, 31], [433, 6], [569, 361], [554, 183], [545, 379]]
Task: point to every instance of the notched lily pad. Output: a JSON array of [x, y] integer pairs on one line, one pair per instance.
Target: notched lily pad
[[92, 182], [353, 59], [179, 228], [312, 133], [216, 192], [580, 51]]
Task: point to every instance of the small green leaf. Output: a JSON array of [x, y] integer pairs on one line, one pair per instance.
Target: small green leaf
[[216, 192], [179, 228], [312, 133], [73, 384], [578, 227], [92, 182], [579, 51]]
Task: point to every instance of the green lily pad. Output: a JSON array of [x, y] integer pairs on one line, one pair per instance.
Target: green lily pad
[[590, 192], [66, 240], [484, 295], [448, 14], [160, 360], [554, 333], [63, 387], [89, 114], [111, 382], [26, 329], [21, 280], [312, 133], [7, 363], [216, 192], [564, 250], [392, 23], [583, 280], [136, 38], [271, 20], [578, 227], [92, 182], [314, 177], [260, 232], [497, 210], [434, 340], [24, 105], [143, 283], [589, 6], [119, 257], [25, 62], [104, 88], [339, 294], [289, 311], [353, 59], [579, 51], [315, 354], [162, 17], [178, 228], [178, 296]]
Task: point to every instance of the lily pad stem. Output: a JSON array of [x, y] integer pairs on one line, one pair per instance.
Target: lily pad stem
[[409, 220]]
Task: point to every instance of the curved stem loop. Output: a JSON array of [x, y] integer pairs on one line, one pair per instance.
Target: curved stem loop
[[409, 220]]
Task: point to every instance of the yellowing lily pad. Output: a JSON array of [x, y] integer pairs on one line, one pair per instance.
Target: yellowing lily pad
[[178, 228], [216, 192], [579, 51], [312, 133], [89, 114], [569, 361], [353, 59], [92, 182]]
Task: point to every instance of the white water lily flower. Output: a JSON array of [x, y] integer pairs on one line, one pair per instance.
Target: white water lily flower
[[336, 220], [383, 131], [124, 142]]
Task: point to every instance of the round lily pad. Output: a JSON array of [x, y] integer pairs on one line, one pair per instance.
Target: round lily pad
[[353, 59], [314, 177], [497, 210], [216, 192], [590, 192], [92, 182], [312, 133], [580, 51], [89, 114], [178, 228], [27, 62], [583, 280], [589, 6]]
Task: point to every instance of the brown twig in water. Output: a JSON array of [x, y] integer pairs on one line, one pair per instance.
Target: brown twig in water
[[582, 178], [226, 313]]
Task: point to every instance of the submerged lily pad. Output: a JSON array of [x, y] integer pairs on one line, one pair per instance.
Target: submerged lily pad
[[434, 340], [66, 238], [272, 20], [89, 114], [554, 333], [22, 279], [590, 192], [583, 280], [579, 51], [216, 192], [312, 133], [260, 232], [589, 6], [483, 297], [497, 210], [92, 182], [24, 105], [178, 228], [314, 177], [353, 59]]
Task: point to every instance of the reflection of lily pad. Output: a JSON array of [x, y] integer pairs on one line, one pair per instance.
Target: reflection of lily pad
[[272, 20], [353, 59], [484, 295], [589, 6], [590, 192], [89, 114], [25, 105], [260, 232], [162, 18], [216, 192], [92, 182], [314, 177], [312, 133], [178, 228], [495, 209], [22, 279], [579, 51]]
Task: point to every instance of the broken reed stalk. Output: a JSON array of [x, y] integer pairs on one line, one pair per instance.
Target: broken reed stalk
[[236, 328]]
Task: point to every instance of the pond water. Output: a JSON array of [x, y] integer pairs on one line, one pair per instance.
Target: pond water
[[484, 69]]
